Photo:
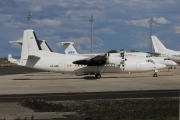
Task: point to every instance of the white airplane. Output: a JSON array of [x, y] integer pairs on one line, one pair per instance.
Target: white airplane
[[33, 56], [70, 49], [163, 51]]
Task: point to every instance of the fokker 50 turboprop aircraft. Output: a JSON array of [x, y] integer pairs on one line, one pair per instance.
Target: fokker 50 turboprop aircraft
[[163, 51], [33, 56]]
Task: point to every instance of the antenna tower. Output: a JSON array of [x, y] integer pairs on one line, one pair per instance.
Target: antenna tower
[[29, 15], [151, 21], [91, 20]]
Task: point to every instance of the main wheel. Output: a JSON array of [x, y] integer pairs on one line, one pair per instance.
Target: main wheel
[[155, 75], [97, 75]]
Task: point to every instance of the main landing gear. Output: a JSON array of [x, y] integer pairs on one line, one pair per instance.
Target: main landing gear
[[98, 75], [155, 73], [99, 71]]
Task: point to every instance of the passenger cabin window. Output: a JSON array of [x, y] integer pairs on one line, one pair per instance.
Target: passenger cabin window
[[149, 60]]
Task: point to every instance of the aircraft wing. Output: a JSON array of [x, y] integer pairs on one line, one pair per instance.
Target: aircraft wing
[[98, 60]]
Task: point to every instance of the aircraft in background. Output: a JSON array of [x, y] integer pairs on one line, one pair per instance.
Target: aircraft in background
[[161, 50], [33, 56], [69, 48], [164, 60]]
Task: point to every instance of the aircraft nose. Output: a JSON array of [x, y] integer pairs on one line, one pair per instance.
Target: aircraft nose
[[160, 66], [174, 63]]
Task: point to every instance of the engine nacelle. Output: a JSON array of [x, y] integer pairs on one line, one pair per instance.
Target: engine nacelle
[[114, 60]]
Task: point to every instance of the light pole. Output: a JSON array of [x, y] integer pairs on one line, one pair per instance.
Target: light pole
[[151, 21], [91, 20], [29, 15]]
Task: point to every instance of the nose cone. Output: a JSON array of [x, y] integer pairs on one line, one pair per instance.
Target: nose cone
[[160, 66], [173, 63]]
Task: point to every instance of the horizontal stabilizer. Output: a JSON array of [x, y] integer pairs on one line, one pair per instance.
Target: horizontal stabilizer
[[33, 57], [18, 41], [12, 60], [154, 54]]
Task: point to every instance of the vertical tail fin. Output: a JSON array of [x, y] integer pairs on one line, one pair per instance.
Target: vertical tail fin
[[42, 43], [158, 46], [69, 48], [45, 46], [30, 44]]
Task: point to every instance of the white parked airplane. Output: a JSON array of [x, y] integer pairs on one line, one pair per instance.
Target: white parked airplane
[[163, 51], [164, 60], [33, 56], [70, 49]]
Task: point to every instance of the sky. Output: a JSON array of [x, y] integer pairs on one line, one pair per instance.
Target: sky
[[118, 24]]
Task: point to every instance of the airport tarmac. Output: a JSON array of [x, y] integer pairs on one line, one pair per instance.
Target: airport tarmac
[[48, 82], [15, 87]]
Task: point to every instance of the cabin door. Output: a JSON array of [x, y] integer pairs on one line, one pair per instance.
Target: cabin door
[[61, 67], [138, 66]]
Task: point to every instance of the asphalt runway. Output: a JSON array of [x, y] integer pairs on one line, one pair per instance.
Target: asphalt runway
[[91, 95], [17, 70], [16, 86]]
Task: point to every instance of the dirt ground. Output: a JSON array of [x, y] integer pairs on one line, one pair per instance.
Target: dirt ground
[[126, 109], [6, 63]]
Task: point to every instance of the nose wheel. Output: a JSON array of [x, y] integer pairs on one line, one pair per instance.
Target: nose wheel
[[98, 75]]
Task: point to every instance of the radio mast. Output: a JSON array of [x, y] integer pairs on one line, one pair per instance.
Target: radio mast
[[29, 15], [151, 21], [91, 20]]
